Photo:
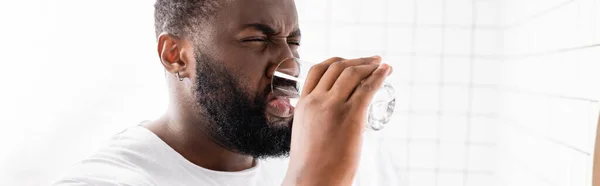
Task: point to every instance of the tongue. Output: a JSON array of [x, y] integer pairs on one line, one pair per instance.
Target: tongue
[[281, 107]]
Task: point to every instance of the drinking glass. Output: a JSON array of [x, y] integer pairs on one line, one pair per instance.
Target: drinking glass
[[289, 78]]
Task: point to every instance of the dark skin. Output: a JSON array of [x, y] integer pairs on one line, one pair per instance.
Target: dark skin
[[328, 120], [237, 37]]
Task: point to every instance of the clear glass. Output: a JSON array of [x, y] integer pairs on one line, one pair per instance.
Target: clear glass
[[290, 75]]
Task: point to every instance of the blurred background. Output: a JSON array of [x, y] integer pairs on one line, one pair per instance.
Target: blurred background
[[489, 92]]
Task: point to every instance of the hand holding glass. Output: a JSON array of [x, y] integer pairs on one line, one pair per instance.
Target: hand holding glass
[[290, 75]]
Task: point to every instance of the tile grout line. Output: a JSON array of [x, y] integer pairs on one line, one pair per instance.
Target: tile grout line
[[470, 91], [440, 93], [410, 119]]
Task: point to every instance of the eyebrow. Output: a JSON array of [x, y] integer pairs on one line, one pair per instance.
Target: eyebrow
[[265, 29], [268, 30]]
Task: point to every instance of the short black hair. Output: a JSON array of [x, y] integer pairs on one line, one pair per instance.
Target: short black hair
[[182, 18]]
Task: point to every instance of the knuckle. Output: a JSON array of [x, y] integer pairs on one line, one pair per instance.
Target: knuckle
[[366, 87], [324, 104], [337, 65], [335, 59], [318, 67], [311, 100], [369, 60], [334, 108], [351, 70], [365, 60]]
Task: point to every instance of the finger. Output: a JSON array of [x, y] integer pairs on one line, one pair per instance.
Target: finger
[[315, 73], [364, 92], [350, 79], [335, 69]]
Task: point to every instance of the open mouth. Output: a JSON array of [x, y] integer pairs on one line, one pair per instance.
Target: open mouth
[[280, 107]]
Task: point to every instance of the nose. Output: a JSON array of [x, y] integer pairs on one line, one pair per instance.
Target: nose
[[284, 60]]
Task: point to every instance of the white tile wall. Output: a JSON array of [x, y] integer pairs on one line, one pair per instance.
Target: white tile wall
[[428, 40], [427, 71], [422, 155], [429, 43], [450, 179], [430, 11], [457, 41], [550, 56], [458, 12], [489, 92], [453, 128], [401, 11], [452, 155], [426, 129], [455, 100]]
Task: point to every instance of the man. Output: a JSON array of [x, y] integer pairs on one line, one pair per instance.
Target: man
[[220, 56]]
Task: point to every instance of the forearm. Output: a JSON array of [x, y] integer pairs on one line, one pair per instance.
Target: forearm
[[335, 174], [330, 178]]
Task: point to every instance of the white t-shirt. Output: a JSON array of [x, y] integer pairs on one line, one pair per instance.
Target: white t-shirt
[[137, 157]]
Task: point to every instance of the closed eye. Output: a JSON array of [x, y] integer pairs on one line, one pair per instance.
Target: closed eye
[[294, 43], [256, 39]]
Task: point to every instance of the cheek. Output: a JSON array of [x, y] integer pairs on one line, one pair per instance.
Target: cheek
[[248, 67], [252, 77]]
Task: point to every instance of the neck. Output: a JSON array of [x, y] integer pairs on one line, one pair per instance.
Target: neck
[[187, 138]]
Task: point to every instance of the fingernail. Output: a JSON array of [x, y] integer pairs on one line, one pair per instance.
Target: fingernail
[[385, 67], [375, 56]]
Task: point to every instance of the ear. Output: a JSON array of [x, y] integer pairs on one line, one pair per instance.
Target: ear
[[174, 54]]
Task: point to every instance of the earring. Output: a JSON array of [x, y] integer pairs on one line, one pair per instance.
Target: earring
[[178, 76]]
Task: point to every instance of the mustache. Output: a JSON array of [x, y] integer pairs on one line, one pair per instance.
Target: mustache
[[264, 95]]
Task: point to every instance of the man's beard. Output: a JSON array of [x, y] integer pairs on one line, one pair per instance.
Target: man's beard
[[236, 120]]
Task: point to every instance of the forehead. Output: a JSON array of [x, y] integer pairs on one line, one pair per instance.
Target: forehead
[[279, 14]]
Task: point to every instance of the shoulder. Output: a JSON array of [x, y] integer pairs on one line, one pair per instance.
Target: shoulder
[[125, 160], [96, 182], [104, 172]]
